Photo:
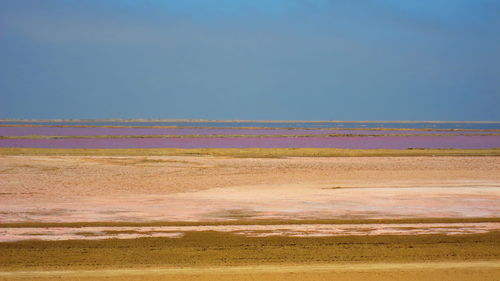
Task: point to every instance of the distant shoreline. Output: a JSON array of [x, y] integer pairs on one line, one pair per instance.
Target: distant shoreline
[[240, 121]]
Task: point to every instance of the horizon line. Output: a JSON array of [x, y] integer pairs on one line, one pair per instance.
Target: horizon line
[[145, 120]]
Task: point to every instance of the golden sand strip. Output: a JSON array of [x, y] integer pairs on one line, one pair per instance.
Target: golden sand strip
[[257, 269]]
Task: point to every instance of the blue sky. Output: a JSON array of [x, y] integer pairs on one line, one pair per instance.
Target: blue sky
[[253, 59]]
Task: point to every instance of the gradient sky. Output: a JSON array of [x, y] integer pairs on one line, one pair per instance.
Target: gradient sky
[[251, 59]]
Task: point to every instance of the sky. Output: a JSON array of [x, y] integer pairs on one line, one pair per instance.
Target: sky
[[250, 59]]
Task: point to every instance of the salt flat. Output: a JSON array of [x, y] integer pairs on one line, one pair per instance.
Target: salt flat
[[182, 188]]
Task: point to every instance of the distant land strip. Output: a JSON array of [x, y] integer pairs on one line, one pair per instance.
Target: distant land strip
[[249, 152], [250, 128], [246, 121]]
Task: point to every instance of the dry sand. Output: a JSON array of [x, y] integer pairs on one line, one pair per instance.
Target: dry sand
[[183, 188]]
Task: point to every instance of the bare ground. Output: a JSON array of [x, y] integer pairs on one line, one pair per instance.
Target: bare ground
[[456, 271], [102, 175], [184, 188], [189, 188]]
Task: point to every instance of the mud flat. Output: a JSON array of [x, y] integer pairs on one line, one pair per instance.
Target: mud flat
[[223, 218], [187, 188], [285, 202], [180, 188]]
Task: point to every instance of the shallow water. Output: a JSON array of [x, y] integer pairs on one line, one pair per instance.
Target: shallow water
[[374, 142], [103, 131]]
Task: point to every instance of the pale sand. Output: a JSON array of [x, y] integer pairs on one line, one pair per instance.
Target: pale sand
[[181, 188]]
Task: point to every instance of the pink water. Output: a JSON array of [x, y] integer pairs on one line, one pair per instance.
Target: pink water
[[377, 142], [102, 131]]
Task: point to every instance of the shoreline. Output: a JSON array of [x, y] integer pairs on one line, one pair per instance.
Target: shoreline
[[248, 121], [253, 128]]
